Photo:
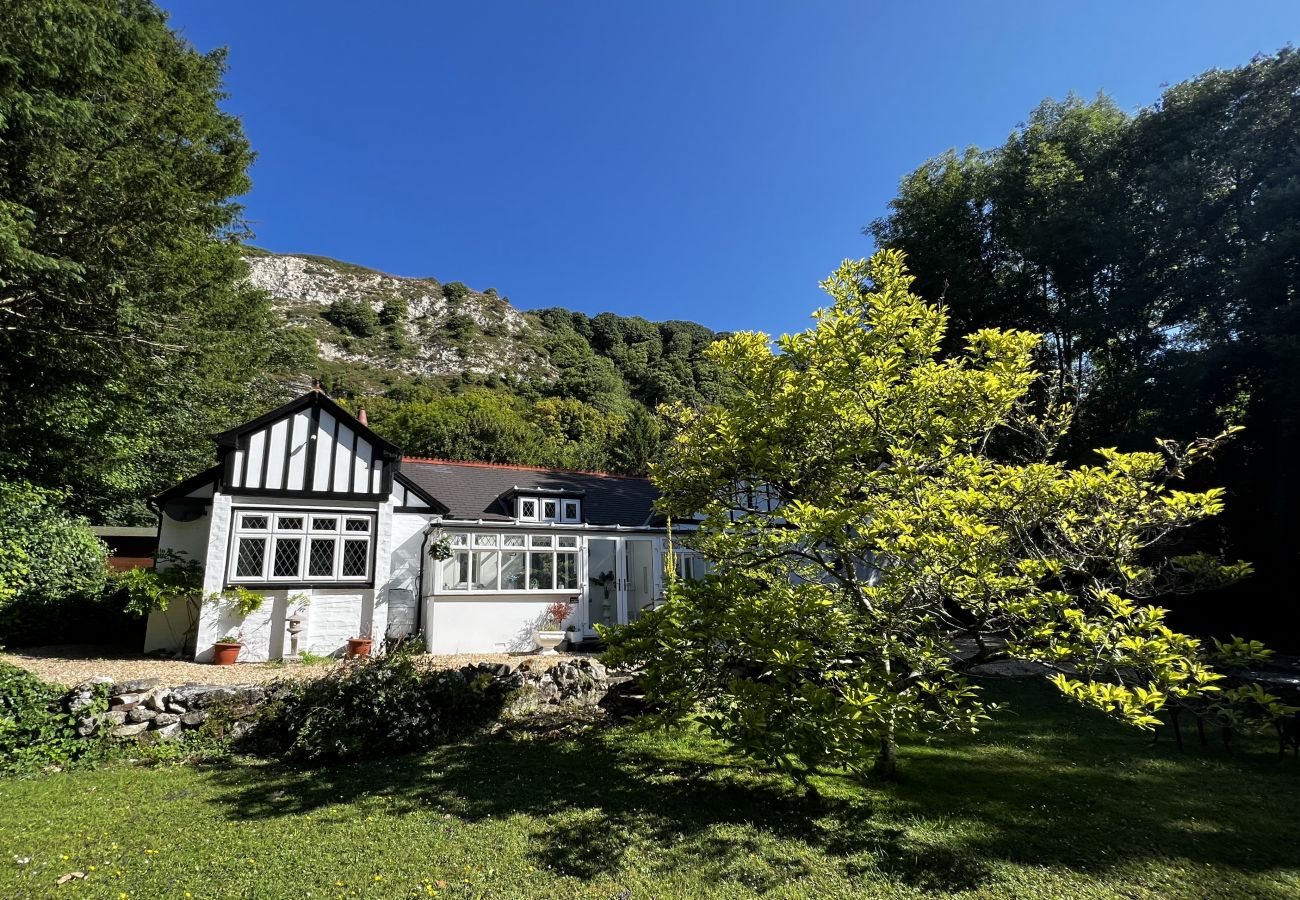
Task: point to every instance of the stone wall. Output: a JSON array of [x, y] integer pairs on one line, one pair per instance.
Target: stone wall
[[146, 710]]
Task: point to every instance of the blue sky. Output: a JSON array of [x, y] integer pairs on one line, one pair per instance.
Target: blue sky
[[676, 160]]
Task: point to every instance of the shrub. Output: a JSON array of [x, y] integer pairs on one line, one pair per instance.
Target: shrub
[[455, 290], [353, 316], [35, 730], [394, 311], [47, 557], [384, 704]]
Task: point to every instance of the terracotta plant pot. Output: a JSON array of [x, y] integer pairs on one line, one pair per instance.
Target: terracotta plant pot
[[358, 647], [224, 654]]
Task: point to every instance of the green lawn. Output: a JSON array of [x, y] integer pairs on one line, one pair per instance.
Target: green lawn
[[1049, 802]]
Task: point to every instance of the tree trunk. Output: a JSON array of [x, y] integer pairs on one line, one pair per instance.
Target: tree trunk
[[886, 767]]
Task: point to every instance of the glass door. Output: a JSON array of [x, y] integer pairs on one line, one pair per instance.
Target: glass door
[[603, 583], [639, 577]]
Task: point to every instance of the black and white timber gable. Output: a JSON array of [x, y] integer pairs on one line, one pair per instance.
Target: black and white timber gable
[[310, 447]]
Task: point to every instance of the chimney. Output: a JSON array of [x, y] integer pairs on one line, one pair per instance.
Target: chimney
[[361, 417]]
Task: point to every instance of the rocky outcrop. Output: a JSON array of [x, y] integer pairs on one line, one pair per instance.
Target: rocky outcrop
[[432, 326]]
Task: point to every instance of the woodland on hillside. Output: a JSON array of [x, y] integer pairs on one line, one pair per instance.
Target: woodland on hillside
[[1158, 252]]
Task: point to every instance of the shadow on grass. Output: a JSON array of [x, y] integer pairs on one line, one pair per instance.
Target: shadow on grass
[[1045, 786]]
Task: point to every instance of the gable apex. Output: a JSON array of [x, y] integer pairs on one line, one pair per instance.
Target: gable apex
[[310, 400]]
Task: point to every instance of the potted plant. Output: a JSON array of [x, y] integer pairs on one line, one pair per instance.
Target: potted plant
[[226, 650], [359, 646], [551, 634]]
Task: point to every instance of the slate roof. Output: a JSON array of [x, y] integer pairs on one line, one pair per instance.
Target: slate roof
[[476, 490]]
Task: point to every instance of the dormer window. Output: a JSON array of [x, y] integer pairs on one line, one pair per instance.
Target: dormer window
[[561, 510]]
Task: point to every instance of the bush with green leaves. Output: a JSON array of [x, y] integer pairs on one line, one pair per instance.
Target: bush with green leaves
[[376, 705], [456, 290], [356, 317], [47, 557], [394, 312], [35, 730]]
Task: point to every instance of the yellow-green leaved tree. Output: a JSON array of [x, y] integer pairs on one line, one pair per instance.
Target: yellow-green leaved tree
[[881, 518]]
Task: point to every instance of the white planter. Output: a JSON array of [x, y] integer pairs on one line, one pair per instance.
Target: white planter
[[549, 640]]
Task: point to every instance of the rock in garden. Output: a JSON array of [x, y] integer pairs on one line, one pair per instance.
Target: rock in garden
[[164, 719], [250, 693], [547, 692], [132, 730], [124, 701], [137, 685], [83, 695], [170, 732], [115, 717], [140, 714], [193, 718], [86, 726], [156, 700], [174, 707]]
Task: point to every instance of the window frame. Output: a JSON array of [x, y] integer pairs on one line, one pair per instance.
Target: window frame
[[684, 562], [567, 510], [527, 545], [309, 530]]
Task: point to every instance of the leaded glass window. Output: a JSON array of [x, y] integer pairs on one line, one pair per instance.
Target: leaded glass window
[[355, 557], [302, 547], [288, 553], [251, 551], [320, 561]]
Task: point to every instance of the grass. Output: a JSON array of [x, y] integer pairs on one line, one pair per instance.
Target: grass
[[1049, 802]]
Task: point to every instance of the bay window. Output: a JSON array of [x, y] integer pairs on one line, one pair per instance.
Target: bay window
[[299, 546], [494, 563]]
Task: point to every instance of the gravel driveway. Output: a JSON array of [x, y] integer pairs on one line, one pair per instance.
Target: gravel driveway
[[70, 665]]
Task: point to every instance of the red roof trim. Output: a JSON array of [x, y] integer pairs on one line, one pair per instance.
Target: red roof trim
[[492, 465]]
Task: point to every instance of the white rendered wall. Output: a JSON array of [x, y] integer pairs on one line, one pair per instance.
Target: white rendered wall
[[501, 623], [165, 630], [403, 588]]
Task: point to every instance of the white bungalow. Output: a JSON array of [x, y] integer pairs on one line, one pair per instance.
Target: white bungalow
[[335, 528]]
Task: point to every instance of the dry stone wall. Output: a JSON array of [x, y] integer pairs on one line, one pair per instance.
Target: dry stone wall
[[147, 710]]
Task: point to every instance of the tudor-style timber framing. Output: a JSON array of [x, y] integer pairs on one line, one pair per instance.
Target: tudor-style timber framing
[[279, 454]]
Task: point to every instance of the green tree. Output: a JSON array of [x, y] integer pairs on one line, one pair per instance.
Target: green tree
[[47, 557], [126, 335], [1160, 255], [637, 443], [577, 436], [872, 506], [478, 424]]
